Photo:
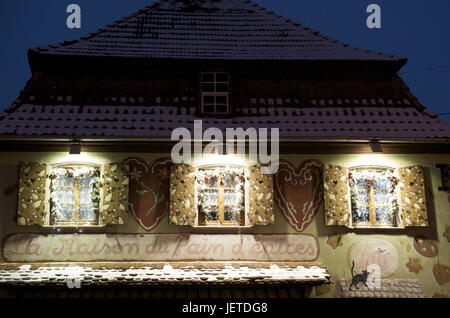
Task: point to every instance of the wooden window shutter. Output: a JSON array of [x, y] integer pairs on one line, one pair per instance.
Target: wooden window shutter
[[413, 196], [31, 196], [114, 197], [261, 203], [336, 196], [183, 209]]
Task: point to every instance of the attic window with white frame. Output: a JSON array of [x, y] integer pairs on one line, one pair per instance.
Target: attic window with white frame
[[215, 93]]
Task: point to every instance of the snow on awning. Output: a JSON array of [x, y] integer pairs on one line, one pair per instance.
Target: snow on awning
[[211, 273]]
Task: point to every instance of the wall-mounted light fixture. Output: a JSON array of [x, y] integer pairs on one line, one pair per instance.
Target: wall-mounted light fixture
[[75, 149], [375, 146], [445, 177]]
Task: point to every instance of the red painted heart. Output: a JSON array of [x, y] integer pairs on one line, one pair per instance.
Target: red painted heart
[[149, 191], [299, 192]]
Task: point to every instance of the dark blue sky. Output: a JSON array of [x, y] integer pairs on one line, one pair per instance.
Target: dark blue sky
[[416, 29]]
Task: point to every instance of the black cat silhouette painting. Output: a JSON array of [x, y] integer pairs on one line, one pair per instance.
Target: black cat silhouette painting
[[359, 278]]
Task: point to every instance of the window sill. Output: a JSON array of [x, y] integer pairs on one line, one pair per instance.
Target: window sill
[[376, 227], [388, 230], [71, 229], [212, 229], [71, 226]]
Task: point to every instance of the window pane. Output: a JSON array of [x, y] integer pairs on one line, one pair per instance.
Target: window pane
[[222, 88], [85, 181], [381, 198], [362, 215], [221, 99], [212, 214], [208, 99], [221, 77], [64, 213], [229, 181], [64, 195], [221, 109], [229, 214], [207, 77], [62, 181], [86, 213], [208, 87], [85, 195], [211, 198], [380, 183], [212, 182], [363, 198], [383, 215], [231, 197], [362, 183], [208, 109]]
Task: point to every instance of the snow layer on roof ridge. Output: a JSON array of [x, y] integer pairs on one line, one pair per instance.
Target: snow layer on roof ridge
[[152, 23]]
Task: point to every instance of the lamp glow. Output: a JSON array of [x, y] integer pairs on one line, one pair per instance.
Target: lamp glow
[[221, 160]]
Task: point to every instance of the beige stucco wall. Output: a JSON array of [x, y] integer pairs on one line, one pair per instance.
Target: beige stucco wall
[[336, 260]]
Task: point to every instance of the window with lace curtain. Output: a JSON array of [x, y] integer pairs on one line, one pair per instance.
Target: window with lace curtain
[[373, 192], [74, 195], [221, 196]]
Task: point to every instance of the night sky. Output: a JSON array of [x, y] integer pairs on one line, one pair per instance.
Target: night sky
[[416, 29]]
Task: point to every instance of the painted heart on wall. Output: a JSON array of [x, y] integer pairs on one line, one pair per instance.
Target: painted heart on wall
[[149, 191], [299, 192]]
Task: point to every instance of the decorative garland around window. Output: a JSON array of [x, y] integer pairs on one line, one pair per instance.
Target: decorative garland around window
[[87, 172], [220, 173], [382, 179]]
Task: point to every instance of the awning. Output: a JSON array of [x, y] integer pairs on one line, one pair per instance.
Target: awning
[[157, 274]]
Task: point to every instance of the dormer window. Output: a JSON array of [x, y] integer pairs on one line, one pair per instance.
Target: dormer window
[[215, 93]]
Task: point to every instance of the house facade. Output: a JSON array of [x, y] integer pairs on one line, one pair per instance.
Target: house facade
[[90, 185]]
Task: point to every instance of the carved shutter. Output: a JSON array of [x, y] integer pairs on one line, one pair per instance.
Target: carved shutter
[[114, 204], [261, 203], [182, 193], [413, 196], [31, 196], [336, 196]]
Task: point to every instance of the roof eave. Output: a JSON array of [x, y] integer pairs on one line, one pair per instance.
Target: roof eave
[[40, 61]]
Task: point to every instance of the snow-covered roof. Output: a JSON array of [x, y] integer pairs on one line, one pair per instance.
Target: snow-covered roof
[[210, 29], [97, 103], [160, 121]]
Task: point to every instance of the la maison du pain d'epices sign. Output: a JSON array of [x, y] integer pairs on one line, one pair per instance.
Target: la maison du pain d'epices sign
[[159, 247]]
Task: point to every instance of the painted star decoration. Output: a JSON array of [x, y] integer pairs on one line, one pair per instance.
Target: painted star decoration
[[334, 240], [447, 233], [414, 265]]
